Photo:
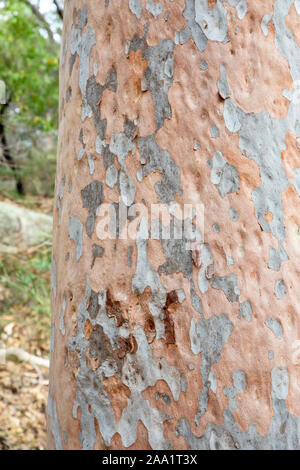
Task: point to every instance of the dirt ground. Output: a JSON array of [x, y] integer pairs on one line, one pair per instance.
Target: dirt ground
[[25, 320], [23, 399]]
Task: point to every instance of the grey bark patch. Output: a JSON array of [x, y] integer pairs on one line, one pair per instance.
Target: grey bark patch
[[82, 45], [71, 63], [274, 326], [154, 158], [97, 252], [284, 39], [111, 177], [204, 65], [206, 269], [93, 305], [92, 197], [195, 299], [223, 86], [280, 289], [80, 154], [265, 150], [264, 23], [196, 145], [214, 131], [271, 355], [180, 295], [129, 256], [154, 8], [91, 91], [213, 383], [130, 129], [240, 6], [233, 214], [136, 8], [223, 175], [160, 70], [91, 163], [108, 156], [208, 337], [229, 260], [239, 385], [127, 188], [62, 316], [216, 228], [54, 423], [280, 383], [179, 259], [82, 17], [277, 257], [296, 181], [75, 233], [246, 311], [212, 21], [94, 91], [158, 77], [60, 196], [121, 145], [231, 116], [192, 29], [228, 284]]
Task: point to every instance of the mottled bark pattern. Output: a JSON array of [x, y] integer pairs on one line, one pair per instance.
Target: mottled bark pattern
[[154, 346]]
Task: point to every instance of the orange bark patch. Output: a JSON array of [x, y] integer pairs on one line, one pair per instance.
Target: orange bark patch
[[292, 20], [138, 66], [118, 394], [211, 3], [141, 442], [88, 328], [269, 216], [291, 156], [113, 309], [257, 72]]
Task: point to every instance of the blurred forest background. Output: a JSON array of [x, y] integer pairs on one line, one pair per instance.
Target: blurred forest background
[[30, 32]]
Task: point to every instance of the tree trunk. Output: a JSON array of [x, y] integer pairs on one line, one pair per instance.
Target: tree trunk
[[192, 341], [6, 154]]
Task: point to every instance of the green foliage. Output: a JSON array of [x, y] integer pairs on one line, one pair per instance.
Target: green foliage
[[37, 172], [28, 66], [25, 290]]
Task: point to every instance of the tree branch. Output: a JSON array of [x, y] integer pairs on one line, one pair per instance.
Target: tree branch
[[41, 17], [25, 356], [60, 11]]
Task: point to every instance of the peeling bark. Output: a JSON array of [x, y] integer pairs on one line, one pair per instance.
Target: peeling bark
[[177, 343]]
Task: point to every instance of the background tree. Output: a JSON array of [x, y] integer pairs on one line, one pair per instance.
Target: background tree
[[29, 44], [159, 343]]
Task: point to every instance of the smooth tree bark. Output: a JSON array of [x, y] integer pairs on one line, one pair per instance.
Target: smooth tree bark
[[179, 343]]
